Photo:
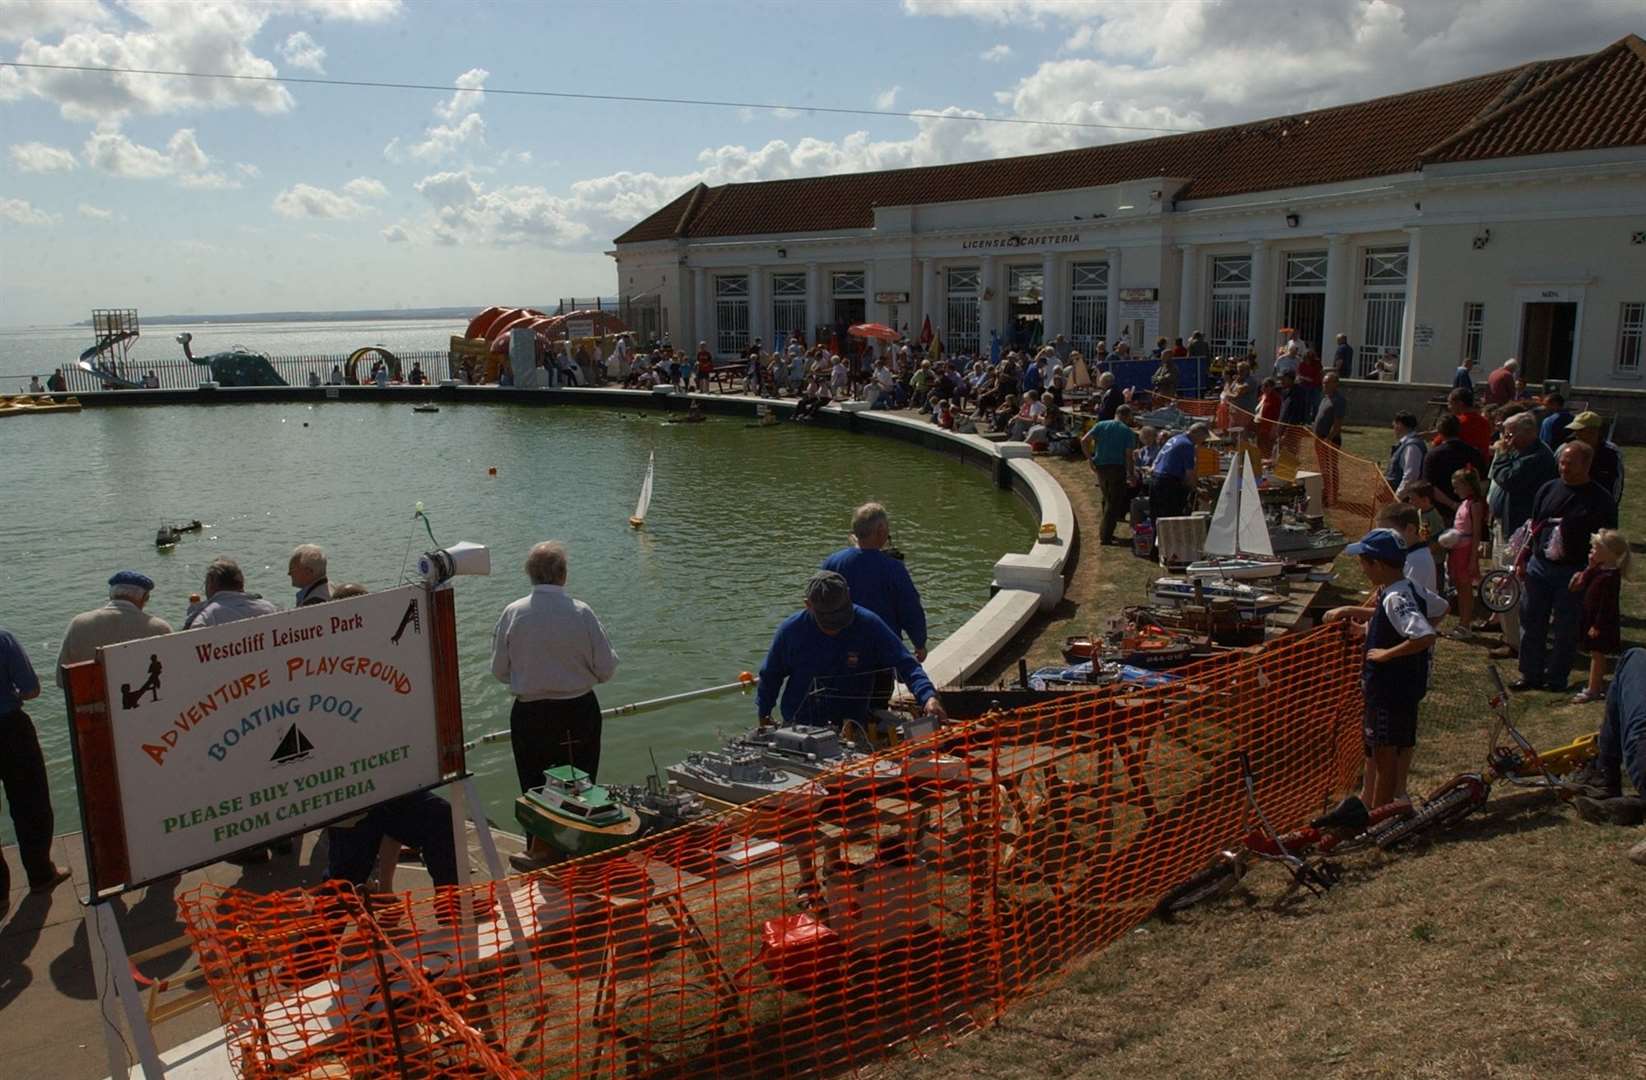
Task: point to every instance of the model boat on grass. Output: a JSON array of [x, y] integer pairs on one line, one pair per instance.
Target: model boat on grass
[[1143, 649], [1237, 543], [574, 815], [1176, 590]]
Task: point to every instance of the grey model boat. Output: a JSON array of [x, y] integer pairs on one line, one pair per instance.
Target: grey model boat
[[661, 804], [802, 749], [1176, 590], [732, 774], [1296, 542]]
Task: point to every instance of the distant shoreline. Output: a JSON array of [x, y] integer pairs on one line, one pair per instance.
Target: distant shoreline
[[368, 315]]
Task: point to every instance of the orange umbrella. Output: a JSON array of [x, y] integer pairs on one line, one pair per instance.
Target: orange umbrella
[[878, 331]]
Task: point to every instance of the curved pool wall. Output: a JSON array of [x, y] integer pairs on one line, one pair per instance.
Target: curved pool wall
[[1024, 582]]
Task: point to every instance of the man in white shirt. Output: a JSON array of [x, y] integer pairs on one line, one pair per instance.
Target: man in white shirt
[[226, 598], [553, 652]]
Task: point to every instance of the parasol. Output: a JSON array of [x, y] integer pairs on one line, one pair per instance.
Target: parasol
[[878, 331]]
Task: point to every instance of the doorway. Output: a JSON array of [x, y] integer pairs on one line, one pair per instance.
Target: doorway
[[1547, 333]]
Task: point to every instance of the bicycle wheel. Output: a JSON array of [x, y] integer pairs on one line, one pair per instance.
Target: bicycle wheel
[[1499, 590], [1218, 879], [1467, 794]]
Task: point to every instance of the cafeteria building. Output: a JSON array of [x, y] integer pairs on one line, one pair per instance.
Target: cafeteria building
[[1499, 215]]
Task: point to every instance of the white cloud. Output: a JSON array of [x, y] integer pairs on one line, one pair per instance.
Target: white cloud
[[218, 36], [22, 212], [302, 51], [467, 99], [37, 157], [364, 187], [182, 160], [464, 211], [994, 54], [887, 98], [396, 234], [95, 213], [458, 127], [308, 201], [248, 170]]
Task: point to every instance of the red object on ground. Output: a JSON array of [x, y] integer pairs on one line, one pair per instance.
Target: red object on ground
[[799, 951]]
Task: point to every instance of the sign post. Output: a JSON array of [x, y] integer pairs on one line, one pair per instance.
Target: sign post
[[191, 747]]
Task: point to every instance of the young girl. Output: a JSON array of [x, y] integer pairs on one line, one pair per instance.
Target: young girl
[[1597, 627], [1462, 543]]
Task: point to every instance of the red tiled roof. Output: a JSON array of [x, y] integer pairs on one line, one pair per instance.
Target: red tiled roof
[[1597, 103], [1541, 107]]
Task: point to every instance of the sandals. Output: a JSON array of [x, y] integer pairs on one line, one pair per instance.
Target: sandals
[[1585, 697]]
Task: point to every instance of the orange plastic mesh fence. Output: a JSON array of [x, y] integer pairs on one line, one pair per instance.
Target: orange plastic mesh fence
[[1353, 488], [900, 902]]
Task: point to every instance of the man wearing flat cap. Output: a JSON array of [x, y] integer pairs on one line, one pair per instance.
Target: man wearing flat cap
[[121, 619], [823, 661]]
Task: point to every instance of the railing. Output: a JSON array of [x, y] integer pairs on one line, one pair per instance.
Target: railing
[[295, 370]]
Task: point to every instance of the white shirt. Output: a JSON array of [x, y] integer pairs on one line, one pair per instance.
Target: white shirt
[[1409, 619], [1420, 568], [549, 646]]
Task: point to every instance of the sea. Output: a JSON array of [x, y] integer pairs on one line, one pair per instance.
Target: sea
[[38, 350], [740, 516]]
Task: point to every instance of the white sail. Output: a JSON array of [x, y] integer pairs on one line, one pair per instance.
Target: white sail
[[1237, 525], [645, 490]]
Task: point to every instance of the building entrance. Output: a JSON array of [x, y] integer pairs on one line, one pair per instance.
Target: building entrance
[[1024, 318], [1547, 333]]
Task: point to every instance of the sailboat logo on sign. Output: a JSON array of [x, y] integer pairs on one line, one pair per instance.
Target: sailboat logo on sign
[[294, 746]]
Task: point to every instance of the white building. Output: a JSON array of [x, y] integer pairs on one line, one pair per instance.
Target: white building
[[1500, 215]]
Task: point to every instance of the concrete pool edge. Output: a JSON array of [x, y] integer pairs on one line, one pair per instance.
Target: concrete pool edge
[[1023, 584]]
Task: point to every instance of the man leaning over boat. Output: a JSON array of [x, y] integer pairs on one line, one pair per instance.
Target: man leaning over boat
[[822, 663]]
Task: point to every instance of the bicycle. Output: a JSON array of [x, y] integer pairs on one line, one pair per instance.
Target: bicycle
[[1350, 826], [1516, 762]]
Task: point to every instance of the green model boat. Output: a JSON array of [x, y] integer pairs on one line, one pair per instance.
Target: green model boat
[[574, 815]]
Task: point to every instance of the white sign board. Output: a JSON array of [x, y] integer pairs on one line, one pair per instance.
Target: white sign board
[[1423, 335], [579, 328], [230, 736], [1148, 312]]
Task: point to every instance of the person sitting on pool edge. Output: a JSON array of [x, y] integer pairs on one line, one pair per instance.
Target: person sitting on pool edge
[[823, 661]]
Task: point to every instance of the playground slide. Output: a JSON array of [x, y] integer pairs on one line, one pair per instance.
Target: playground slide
[[109, 376]]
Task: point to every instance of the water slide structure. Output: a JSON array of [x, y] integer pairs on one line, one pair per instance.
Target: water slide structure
[[238, 366], [109, 359], [494, 324]]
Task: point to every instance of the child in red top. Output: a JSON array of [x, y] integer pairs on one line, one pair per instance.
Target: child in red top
[[1462, 544], [1600, 582]]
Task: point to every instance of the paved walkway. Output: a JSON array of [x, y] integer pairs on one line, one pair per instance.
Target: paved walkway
[[47, 990]]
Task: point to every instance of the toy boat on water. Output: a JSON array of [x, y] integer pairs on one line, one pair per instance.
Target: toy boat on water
[[574, 815], [733, 774], [167, 536]]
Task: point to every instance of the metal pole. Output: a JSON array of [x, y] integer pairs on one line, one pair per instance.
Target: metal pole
[[649, 705]]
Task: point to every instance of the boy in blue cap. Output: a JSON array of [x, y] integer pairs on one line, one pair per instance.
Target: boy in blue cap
[[1394, 675]]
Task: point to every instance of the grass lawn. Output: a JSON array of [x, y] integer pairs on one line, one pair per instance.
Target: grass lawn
[[1509, 946]]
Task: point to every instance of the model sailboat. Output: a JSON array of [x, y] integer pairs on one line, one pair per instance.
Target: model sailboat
[[1237, 545], [638, 518]]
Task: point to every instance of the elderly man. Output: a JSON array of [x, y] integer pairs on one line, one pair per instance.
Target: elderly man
[[1567, 512], [121, 619], [307, 569], [1343, 357], [1173, 485], [23, 773], [1500, 384], [552, 652], [1110, 396], [226, 598], [824, 660], [1607, 467], [1521, 465], [1406, 458], [878, 580]]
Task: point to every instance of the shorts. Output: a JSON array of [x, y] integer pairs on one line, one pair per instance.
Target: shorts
[[1389, 725]]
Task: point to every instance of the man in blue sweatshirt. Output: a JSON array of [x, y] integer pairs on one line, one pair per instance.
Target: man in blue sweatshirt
[[823, 660], [879, 581]]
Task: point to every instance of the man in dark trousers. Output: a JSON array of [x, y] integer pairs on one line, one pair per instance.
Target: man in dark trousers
[[23, 773]]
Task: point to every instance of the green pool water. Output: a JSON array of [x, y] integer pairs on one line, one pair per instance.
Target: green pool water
[[740, 516]]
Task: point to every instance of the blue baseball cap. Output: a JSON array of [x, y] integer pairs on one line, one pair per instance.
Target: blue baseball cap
[[1384, 545], [132, 577]]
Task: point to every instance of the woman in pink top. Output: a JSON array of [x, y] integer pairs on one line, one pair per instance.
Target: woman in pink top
[[1462, 542]]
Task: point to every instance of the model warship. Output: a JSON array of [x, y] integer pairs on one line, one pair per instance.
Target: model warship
[[661, 804], [732, 774], [574, 815]]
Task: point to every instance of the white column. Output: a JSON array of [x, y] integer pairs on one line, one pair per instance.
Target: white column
[[1051, 298], [758, 315], [1339, 277], [1262, 327], [1408, 328], [701, 328], [928, 299], [814, 301], [1188, 292], [1112, 301], [871, 310], [987, 287]]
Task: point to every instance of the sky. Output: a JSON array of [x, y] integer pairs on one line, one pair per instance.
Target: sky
[[207, 196]]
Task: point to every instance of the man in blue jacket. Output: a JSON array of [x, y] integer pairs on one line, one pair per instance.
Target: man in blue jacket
[[879, 581], [824, 659]]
